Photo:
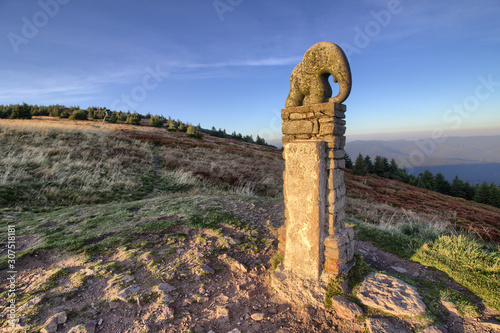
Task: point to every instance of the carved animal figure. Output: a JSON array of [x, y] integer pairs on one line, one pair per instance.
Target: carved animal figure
[[309, 80]]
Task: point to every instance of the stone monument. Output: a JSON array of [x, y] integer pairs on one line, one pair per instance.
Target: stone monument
[[314, 241]]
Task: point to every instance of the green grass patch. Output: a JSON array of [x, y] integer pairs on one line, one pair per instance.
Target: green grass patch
[[469, 261]]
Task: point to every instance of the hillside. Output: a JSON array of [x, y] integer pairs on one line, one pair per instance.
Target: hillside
[[137, 229], [474, 159]]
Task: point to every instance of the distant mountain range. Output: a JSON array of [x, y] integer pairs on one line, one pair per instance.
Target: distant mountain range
[[474, 159]]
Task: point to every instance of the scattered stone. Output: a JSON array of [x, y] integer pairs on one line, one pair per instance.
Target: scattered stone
[[492, 324], [207, 269], [30, 303], [380, 325], [125, 293], [450, 307], [236, 266], [389, 294], [346, 309], [168, 313], [113, 305], [78, 329], [222, 313], [167, 299], [88, 271], [165, 287], [127, 278], [210, 331], [257, 316], [235, 330], [50, 325], [90, 326], [432, 329], [58, 309], [399, 269], [100, 322]]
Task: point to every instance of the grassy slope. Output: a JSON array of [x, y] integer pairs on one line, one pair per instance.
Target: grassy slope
[[73, 185]]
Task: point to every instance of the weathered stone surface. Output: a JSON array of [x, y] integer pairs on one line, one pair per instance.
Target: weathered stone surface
[[491, 324], [165, 287], [222, 313], [304, 188], [257, 316], [51, 324], [125, 293], [346, 309], [309, 80], [381, 325], [207, 269], [298, 127], [389, 294], [297, 289], [432, 329], [78, 329]]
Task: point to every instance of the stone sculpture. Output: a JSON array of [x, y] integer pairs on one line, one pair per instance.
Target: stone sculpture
[[309, 80], [315, 244]]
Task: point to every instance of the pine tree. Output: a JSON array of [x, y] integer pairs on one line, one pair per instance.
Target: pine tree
[[379, 166], [360, 168], [426, 180], [458, 188], [483, 194], [348, 161], [369, 164], [442, 185]]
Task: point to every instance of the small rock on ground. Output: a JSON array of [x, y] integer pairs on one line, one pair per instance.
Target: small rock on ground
[[124, 293], [381, 325], [51, 324], [432, 329], [384, 292], [165, 287], [257, 316], [346, 309]]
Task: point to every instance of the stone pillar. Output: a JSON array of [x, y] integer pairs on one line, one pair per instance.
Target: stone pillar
[[314, 241]]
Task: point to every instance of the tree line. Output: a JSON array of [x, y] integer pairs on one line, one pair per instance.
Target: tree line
[[26, 111], [485, 193]]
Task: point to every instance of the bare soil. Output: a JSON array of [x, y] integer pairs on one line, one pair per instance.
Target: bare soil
[[231, 297]]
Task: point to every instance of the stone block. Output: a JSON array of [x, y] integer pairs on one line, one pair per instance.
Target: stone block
[[305, 176], [335, 178], [326, 128], [297, 127], [338, 129]]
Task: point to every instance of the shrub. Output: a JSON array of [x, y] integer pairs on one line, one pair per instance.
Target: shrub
[[193, 132], [133, 119], [79, 115]]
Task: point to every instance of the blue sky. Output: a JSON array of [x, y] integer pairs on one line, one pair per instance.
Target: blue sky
[[418, 67]]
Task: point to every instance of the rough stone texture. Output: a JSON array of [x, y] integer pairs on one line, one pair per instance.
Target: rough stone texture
[[381, 325], [391, 295], [314, 241], [305, 207], [166, 287], [491, 324], [298, 290], [125, 293], [432, 329], [50, 325], [346, 309], [309, 79]]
